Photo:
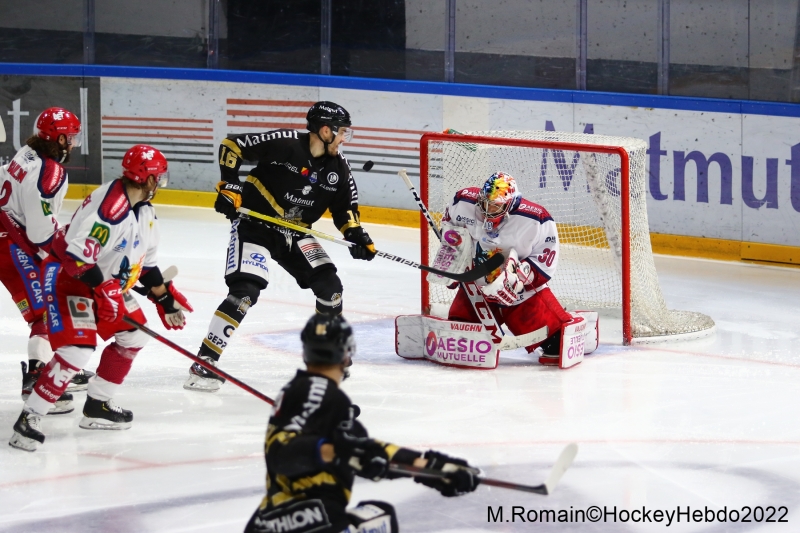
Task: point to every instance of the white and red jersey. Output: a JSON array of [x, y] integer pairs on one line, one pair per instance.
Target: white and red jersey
[[32, 189], [107, 231], [528, 229]]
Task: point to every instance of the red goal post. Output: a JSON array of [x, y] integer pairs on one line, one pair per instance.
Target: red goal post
[[589, 190]]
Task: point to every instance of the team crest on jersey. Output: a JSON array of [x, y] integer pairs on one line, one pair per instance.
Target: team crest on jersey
[[333, 178], [481, 256]]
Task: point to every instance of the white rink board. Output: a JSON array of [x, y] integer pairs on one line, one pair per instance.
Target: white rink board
[[392, 123]]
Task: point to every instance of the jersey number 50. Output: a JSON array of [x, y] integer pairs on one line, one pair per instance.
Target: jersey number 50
[[91, 249]]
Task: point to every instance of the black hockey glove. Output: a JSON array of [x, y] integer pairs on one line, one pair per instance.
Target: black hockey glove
[[229, 199], [460, 478], [363, 454], [364, 248]]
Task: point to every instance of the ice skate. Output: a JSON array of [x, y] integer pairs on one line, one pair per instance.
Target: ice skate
[[26, 432], [202, 380], [104, 415], [64, 403], [80, 381]]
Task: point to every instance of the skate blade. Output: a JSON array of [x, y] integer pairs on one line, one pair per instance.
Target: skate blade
[[99, 423], [23, 443], [195, 383], [77, 387]]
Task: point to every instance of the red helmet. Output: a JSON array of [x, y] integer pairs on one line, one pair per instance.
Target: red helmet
[[142, 161], [55, 121]]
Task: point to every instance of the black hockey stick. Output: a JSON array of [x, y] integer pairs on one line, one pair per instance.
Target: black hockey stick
[[478, 272], [205, 364], [561, 465]]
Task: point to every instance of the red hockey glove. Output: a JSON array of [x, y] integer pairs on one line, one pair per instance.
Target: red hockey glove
[[171, 306], [108, 297]]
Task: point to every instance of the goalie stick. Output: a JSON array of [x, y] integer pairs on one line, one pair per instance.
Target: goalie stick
[[202, 362], [561, 465], [470, 275], [479, 304]]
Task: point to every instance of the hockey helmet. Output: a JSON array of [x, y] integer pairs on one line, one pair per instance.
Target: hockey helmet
[[498, 197], [55, 121], [142, 161], [329, 114], [327, 340]]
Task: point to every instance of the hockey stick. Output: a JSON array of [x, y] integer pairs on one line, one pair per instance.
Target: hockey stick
[[470, 275], [205, 364], [170, 273], [561, 465], [479, 304]]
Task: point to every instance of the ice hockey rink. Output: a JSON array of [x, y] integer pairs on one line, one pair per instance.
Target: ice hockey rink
[[705, 424]]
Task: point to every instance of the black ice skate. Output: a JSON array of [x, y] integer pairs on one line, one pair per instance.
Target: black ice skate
[[62, 406], [202, 380], [26, 432], [104, 415], [80, 381]]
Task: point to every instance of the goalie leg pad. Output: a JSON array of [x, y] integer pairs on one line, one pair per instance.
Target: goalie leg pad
[[460, 344], [592, 332], [541, 309]]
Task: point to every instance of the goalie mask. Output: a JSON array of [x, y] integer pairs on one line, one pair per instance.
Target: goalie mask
[[328, 340], [498, 197]]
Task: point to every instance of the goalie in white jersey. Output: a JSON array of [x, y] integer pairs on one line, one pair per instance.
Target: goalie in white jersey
[[496, 219], [110, 244]]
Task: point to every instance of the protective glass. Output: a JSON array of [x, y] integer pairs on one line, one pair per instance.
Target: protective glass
[[347, 133], [163, 180], [75, 140]]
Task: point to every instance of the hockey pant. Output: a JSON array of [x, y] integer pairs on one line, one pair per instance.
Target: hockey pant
[[247, 274], [22, 276], [317, 517], [541, 309], [73, 329]]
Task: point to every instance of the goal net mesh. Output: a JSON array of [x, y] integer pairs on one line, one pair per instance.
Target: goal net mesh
[[582, 192]]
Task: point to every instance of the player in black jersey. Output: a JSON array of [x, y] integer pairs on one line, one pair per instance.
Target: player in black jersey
[[315, 447], [298, 177]]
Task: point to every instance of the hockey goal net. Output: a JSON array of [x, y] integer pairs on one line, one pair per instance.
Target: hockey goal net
[[594, 188]]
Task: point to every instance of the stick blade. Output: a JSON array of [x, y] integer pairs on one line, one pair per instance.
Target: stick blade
[[560, 467]]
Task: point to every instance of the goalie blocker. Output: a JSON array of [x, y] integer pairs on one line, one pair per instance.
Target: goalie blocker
[[469, 345]]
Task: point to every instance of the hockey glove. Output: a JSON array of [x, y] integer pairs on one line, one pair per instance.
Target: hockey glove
[[364, 248], [363, 454], [171, 306], [509, 285], [108, 297], [460, 478], [229, 199]]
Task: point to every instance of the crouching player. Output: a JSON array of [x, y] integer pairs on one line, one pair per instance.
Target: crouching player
[[315, 447], [478, 224], [110, 243]]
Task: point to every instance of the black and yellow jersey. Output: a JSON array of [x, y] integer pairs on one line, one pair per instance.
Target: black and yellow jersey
[[307, 413], [288, 182]]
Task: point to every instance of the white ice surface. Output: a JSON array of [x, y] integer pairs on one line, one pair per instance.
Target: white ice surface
[[709, 423]]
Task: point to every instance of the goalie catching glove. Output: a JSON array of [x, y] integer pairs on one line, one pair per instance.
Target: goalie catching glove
[[171, 306], [364, 247], [459, 479], [509, 285], [229, 199]]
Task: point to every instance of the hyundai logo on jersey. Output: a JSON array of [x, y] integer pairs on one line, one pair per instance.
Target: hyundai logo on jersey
[[258, 257]]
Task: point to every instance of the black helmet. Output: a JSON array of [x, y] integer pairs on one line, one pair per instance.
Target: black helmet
[[327, 340], [327, 114]]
